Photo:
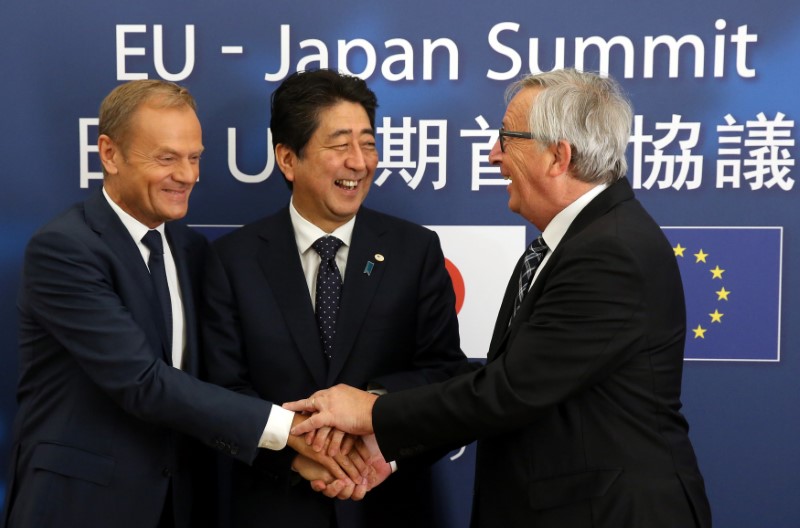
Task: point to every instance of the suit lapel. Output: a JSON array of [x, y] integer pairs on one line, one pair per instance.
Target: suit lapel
[[105, 222], [180, 253], [360, 287], [602, 203], [280, 262], [501, 326]]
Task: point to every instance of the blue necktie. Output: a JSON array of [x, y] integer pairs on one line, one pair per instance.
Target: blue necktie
[[152, 240], [329, 291], [532, 258]]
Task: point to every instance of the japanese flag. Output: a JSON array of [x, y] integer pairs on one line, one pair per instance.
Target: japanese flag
[[480, 260]]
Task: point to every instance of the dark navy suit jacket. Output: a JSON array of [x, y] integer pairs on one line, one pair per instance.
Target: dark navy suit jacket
[[99, 435], [397, 328]]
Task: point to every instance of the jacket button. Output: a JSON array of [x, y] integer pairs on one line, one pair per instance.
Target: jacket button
[[166, 472]]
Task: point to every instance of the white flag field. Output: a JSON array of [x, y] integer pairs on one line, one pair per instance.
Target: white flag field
[[484, 257]]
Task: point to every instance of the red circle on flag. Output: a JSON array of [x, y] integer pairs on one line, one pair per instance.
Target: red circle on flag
[[458, 283]]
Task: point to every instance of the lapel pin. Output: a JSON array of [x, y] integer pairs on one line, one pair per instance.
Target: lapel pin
[[368, 267], [378, 257]]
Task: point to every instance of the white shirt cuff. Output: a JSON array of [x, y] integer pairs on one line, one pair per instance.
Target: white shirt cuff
[[276, 432]]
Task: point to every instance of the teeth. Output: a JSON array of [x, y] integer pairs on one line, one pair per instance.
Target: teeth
[[347, 184]]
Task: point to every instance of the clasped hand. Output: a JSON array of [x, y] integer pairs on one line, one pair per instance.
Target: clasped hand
[[336, 464]]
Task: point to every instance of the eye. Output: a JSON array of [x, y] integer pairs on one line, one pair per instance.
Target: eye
[[368, 145]]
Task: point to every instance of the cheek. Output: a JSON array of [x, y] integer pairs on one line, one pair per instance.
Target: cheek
[[371, 160]]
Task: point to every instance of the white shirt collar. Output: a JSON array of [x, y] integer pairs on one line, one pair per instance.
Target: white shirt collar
[[134, 227], [306, 233], [558, 226]]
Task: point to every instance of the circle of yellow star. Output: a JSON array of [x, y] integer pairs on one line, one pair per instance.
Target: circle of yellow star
[[716, 317], [701, 257], [722, 295], [717, 272], [679, 250]]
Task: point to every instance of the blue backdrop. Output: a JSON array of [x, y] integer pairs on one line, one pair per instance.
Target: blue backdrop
[[714, 87]]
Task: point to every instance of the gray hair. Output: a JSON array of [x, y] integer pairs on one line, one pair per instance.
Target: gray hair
[[587, 111]]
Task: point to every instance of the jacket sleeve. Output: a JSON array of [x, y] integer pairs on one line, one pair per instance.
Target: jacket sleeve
[[587, 320], [79, 292]]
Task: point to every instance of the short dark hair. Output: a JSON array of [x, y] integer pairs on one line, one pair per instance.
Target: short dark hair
[[298, 101]]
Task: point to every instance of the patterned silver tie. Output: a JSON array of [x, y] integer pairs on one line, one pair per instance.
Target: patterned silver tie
[[532, 258]]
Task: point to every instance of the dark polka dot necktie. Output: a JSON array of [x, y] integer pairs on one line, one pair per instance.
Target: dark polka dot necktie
[[329, 291], [532, 258], [155, 263]]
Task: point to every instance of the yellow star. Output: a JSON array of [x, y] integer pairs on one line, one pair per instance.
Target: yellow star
[[716, 273], [701, 257], [699, 332], [722, 295], [716, 317], [679, 250]]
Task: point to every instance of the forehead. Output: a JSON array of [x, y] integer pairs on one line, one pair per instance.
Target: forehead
[[165, 124], [344, 116], [519, 107]]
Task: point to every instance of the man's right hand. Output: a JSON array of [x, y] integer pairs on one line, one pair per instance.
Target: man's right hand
[[351, 467]]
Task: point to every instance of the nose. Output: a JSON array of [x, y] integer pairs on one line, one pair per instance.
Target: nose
[[496, 154], [356, 160], [187, 171]]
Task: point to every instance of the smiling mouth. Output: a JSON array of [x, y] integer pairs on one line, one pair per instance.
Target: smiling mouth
[[347, 184]]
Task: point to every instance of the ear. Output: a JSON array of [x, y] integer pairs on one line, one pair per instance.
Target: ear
[[562, 156], [109, 153], [286, 160]]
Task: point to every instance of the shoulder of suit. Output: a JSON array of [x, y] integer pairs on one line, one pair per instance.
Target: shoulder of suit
[[189, 236], [253, 230], [70, 221]]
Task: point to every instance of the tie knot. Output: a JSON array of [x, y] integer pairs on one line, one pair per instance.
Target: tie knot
[[327, 247], [152, 240], [537, 247]]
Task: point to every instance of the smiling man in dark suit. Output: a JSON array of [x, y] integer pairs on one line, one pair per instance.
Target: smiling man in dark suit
[[109, 340], [285, 318], [577, 411]]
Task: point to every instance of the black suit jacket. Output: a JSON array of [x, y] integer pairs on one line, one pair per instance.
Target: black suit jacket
[[577, 410], [96, 438], [397, 328]]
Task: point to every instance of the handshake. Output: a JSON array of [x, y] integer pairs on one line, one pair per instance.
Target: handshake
[[336, 447]]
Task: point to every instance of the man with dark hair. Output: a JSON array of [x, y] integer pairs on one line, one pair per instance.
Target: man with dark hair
[[109, 340], [577, 411], [326, 291]]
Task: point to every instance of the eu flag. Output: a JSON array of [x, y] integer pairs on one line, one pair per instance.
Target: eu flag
[[732, 281]]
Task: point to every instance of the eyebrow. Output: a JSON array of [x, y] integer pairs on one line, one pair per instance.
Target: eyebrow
[[347, 131], [170, 150]]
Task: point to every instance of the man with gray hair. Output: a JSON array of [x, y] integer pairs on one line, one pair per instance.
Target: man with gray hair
[[577, 411]]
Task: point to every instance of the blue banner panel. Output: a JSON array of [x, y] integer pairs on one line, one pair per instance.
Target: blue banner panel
[[732, 280]]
